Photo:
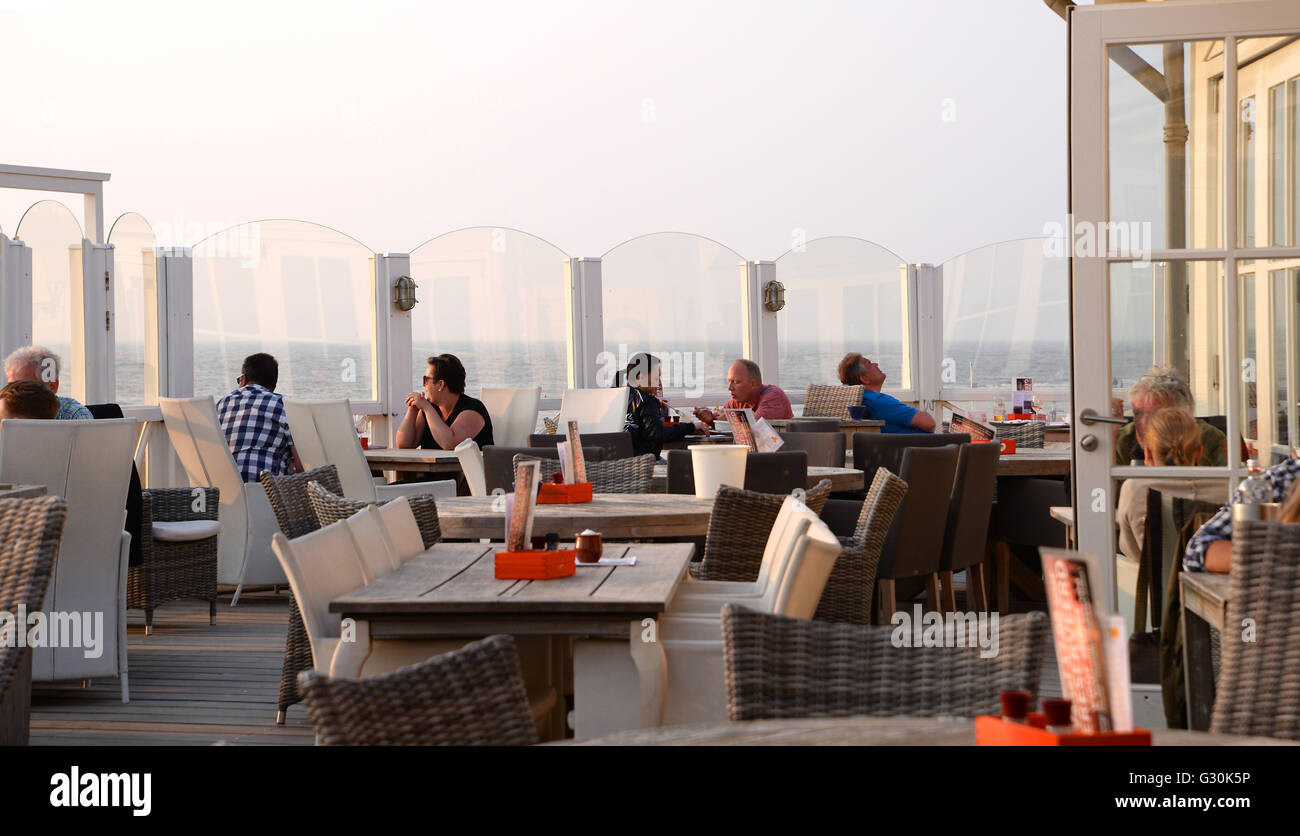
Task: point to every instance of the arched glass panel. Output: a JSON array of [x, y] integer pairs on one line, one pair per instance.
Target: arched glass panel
[[52, 232], [302, 292], [133, 264], [495, 298], [841, 295], [1005, 316], [677, 296]]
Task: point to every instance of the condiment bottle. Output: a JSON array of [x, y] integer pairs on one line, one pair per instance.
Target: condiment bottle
[[1058, 716]]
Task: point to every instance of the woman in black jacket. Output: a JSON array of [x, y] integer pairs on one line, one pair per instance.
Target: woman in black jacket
[[645, 411]]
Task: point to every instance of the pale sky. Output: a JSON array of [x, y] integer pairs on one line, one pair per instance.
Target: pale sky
[[928, 126]]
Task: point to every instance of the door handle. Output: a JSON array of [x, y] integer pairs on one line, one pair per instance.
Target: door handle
[[1089, 416]]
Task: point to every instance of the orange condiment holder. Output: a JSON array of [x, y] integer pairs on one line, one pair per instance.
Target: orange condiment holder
[[1008, 446], [995, 731], [553, 493], [535, 565]]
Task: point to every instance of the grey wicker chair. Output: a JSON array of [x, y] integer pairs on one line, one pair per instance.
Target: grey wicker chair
[[174, 570], [738, 530], [331, 508], [616, 445], [30, 530], [631, 475], [783, 668], [1258, 690], [499, 467], [831, 401], [293, 511], [849, 590], [473, 696]]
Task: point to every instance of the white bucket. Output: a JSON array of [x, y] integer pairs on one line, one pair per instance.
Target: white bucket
[[717, 465]]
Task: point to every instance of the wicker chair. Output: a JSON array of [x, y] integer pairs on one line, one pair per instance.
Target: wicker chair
[[633, 475], [178, 560], [473, 696], [849, 591], [831, 401], [331, 508], [738, 530], [1258, 692], [781, 668], [30, 530], [293, 511]]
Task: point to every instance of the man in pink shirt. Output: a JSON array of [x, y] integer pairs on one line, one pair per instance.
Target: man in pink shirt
[[745, 382]]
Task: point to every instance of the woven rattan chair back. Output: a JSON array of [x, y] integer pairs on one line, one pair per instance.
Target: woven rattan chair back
[[630, 475], [473, 696], [824, 449], [616, 445], [289, 500], [1258, 692], [29, 541], [499, 463], [852, 583], [785, 668], [739, 528], [331, 508], [831, 401]]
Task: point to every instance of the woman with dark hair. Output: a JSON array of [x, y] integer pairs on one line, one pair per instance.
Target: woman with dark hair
[[645, 411], [443, 415]]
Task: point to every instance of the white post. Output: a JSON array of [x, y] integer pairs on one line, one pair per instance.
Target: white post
[[94, 211], [394, 373], [92, 322], [15, 295], [758, 324], [584, 320], [925, 285], [174, 300]]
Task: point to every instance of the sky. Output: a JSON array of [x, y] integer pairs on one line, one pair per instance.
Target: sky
[[930, 127]]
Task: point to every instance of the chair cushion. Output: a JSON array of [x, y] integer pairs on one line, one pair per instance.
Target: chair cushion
[[185, 532]]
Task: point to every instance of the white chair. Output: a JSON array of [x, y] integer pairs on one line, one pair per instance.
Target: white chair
[[323, 433], [471, 464], [88, 463], [513, 413], [403, 532], [244, 555], [595, 410], [375, 551]]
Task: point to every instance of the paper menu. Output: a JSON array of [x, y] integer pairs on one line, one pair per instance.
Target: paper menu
[[577, 463], [520, 510], [1080, 624], [1022, 395], [742, 427]]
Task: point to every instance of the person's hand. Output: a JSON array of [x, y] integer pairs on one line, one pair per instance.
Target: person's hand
[[704, 415], [417, 401], [701, 427]]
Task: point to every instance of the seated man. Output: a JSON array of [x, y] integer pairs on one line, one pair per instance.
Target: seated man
[[745, 382], [28, 399], [42, 365], [898, 416], [1210, 548], [252, 417], [1161, 388]]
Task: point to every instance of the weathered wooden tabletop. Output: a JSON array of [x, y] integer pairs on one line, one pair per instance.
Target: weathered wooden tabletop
[[617, 516], [842, 478], [417, 460], [1052, 459]]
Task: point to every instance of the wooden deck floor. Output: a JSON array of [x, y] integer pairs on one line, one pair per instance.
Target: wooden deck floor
[[191, 683]]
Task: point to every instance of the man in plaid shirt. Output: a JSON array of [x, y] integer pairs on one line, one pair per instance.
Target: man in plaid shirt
[[1210, 549], [252, 417]]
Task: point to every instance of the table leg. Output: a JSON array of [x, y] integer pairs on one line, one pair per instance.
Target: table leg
[[16, 708], [1198, 669]]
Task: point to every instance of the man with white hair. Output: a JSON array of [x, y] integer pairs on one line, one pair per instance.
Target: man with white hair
[[1163, 387], [33, 362]]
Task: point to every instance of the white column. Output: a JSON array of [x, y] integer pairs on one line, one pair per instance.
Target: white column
[[584, 320], [92, 322], [395, 374], [15, 295], [925, 286], [758, 324], [171, 351]]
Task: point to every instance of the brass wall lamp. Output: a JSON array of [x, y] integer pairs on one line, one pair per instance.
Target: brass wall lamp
[[404, 293]]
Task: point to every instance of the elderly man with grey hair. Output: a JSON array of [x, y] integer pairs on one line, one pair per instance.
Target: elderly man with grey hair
[[1161, 388], [33, 362]]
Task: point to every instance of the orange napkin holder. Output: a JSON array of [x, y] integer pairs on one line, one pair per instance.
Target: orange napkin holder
[[535, 565], [994, 731], [1008, 446], [550, 493]]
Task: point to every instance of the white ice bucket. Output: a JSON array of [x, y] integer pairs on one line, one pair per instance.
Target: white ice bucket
[[717, 465]]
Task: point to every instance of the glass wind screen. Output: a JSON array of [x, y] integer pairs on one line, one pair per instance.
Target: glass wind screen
[[1005, 316], [677, 296], [842, 295], [1266, 328], [496, 299], [1168, 315], [1164, 192], [54, 236], [301, 292], [1267, 72], [133, 265]]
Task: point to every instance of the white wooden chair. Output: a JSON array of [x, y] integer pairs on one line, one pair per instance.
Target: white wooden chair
[[595, 410], [244, 555], [513, 413], [88, 463], [323, 433], [471, 464]]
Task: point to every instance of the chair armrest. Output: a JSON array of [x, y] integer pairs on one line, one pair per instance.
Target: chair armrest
[[443, 489]]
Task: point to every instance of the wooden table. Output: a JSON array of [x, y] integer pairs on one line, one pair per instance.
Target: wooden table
[[848, 426], [1204, 597], [1052, 459], [865, 731], [842, 478], [416, 460], [1064, 514], [617, 516], [11, 491]]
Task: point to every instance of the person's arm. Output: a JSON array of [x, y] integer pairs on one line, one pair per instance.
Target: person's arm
[[643, 424], [1216, 534], [893, 411], [412, 426], [467, 425], [1218, 557], [297, 462], [923, 421], [774, 405]]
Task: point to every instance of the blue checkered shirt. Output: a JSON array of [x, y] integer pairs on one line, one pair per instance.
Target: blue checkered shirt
[[252, 417], [70, 410], [1219, 527]]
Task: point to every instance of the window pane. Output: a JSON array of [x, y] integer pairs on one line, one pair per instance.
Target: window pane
[[1266, 67], [1266, 325], [842, 295], [299, 291], [495, 298], [677, 296], [133, 261], [54, 235], [1005, 316], [1277, 165]]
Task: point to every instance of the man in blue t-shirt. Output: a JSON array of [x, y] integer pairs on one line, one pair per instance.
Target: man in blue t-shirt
[[898, 416]]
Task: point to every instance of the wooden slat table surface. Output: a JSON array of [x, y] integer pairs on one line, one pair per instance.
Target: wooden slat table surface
[[616, 516], [842, 478], [11, 491], [1052, 459], [1204, 597], [865, 731], [414, 460]]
